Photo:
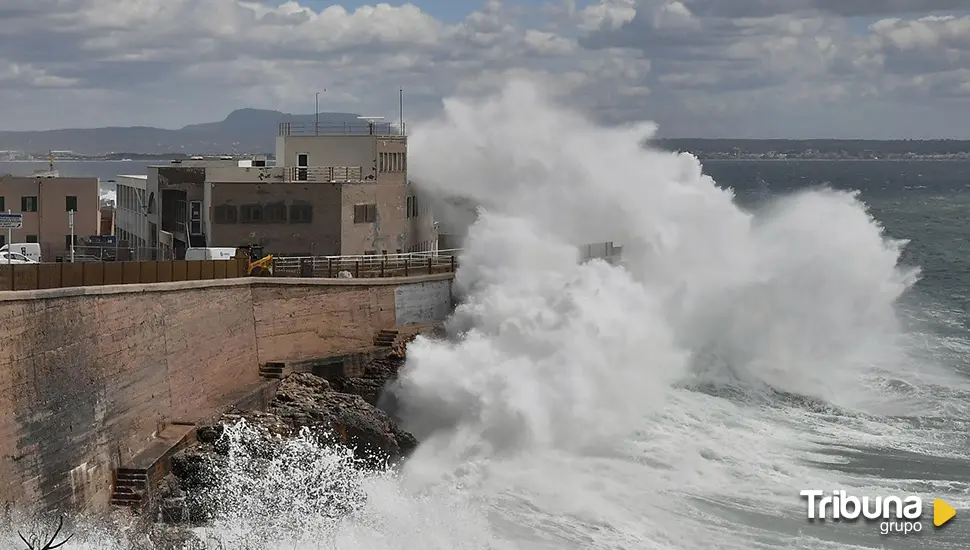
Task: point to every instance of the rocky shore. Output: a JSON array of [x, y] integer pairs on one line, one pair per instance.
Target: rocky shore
[[341, 413]]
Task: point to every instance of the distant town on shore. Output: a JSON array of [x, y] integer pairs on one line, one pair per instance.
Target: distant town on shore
[[247, 132]]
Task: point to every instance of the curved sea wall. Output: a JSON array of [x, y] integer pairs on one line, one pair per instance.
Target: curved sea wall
[[89, 377]]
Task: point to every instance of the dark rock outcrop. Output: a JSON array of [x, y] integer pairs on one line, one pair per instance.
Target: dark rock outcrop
[[343, 413]]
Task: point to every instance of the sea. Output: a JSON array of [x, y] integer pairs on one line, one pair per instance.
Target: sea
[[774, 327]]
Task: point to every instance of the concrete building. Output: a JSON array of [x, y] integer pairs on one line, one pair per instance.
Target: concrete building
[[340, 191], [45, 203], [137, 216]]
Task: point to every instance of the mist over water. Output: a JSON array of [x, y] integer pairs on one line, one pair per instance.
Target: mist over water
[[681, 400]]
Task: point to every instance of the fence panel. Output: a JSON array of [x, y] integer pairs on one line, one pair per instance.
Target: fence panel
[[72, 275], [193, 271], [49, 275], [149, 272], [164, 271], [25, 276], [114, 273], [131, 273], [93, 274], [180, 270], [207, 269]]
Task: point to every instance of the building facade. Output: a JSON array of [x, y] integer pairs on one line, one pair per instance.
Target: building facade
[[137, 215], [45, 203], [329, 194]]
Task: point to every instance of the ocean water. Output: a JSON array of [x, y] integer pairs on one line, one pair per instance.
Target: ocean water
[[775, 327]]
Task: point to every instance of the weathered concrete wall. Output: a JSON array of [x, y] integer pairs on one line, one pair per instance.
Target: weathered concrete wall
[[89, 375], [424, 302]]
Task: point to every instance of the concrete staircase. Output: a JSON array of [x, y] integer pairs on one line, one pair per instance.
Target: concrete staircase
[[272, 369], [387, 338], [130, 486]]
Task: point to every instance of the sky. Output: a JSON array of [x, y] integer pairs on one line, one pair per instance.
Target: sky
[[879, 69]]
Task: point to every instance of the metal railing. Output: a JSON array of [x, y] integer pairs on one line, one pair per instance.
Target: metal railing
[[323, 174], [346, 128], [367, 266]]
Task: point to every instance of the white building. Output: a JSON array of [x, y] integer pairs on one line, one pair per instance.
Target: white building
[[136, 212]]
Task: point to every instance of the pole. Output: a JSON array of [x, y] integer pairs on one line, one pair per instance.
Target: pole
[[9, 242], [70, 222], [316, 115], [400, 100]]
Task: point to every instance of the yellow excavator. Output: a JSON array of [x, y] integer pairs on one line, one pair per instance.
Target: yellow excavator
[[262, 267]]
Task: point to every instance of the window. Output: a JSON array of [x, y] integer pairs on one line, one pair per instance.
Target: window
[[250, 213], [3, 207], [31, 238], [71, 203], [225, 213], [412, 207], [274, 213], [68, 241], [365, 213], [28, 204], [301, 213], [3, 239], [195, 210]]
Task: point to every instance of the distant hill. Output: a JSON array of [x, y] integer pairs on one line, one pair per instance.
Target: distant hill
[[243, 131]]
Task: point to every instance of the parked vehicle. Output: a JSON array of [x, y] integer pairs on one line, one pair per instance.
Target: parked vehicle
[[7, 257], [221, 253], [31, 250]]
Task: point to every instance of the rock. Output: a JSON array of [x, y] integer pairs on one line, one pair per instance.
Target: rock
[[344, 412]]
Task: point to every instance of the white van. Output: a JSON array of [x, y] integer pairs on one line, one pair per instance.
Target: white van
[[221, 253], [31, 250]]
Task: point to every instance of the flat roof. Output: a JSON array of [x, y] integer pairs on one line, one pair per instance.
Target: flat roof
[[134, 176]]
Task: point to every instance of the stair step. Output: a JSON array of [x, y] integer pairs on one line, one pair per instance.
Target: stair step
[[130, 477], [124, 503], [125, 490], [126, 497], [134, 483], [132, 471]]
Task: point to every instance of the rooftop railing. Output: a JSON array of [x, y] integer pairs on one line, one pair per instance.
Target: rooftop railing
[[341, 129], [323, 174]]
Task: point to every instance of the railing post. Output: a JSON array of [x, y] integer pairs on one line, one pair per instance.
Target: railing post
[[357, 269], [452, 263], [383, 264], [430, 264], [407, 261], [329, 268]]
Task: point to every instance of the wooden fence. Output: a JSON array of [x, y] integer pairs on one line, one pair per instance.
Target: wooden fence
[[62, 275]]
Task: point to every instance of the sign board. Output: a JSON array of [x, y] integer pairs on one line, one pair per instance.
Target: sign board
[[11, 221]]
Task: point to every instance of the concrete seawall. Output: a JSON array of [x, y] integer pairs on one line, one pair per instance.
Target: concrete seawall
[[89, 376]]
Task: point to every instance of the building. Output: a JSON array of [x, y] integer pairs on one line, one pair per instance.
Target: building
[[333, 191], [45, 203], [137, 217]]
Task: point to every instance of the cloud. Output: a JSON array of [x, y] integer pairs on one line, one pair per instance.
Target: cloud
[[697, 67]]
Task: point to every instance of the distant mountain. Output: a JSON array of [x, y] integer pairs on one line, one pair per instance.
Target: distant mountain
[[243, 131]]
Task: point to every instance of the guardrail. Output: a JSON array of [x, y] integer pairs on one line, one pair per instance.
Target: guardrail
[[367, 266], [322, 174], [347, 128]]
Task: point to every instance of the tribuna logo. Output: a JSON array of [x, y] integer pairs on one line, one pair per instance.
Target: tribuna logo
[[896, 515]]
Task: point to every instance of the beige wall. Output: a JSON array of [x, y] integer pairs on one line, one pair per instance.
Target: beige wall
[[344, 150], [388, 233], [50, 222], [88, 375]]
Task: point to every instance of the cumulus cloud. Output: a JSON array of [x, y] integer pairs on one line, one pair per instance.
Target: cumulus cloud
[[697, 67]]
